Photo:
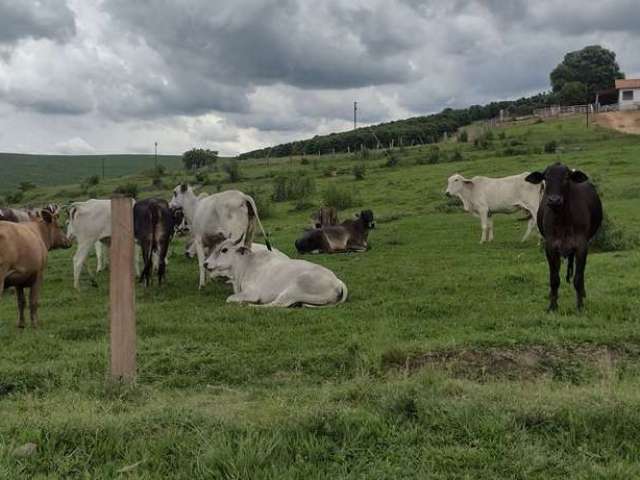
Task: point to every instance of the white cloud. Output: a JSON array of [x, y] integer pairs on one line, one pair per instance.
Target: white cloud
[[74, 146]]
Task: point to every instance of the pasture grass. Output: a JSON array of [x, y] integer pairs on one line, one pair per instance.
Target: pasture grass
[[442, 364]]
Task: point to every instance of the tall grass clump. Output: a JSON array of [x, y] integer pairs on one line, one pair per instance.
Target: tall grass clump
[[129, 189], [264, 204], [232, 169], [292, 187], [612, 237], [338, 198], [359, 171]]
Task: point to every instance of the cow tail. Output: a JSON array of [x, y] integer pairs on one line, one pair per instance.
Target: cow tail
[[253, 219], [343, 293], [570, 268]]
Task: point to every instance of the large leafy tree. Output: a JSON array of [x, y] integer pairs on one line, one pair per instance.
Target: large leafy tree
[[199, 157], [593, 66]]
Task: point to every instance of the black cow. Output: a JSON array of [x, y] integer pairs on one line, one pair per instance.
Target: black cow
[[350, 235], [569, 216], [153, 227]]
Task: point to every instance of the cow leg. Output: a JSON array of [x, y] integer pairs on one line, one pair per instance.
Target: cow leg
[[530, 226], [242, 297], [136, 260], [197, 243], [78, 261], [490, 228], [553, 258], [21, 304], [162, 258], [34, 295], [484, 223], [145, 276], [3, 275], [578, 279], [99, 256]]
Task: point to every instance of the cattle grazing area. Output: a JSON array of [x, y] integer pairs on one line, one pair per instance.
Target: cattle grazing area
[[442, 363]]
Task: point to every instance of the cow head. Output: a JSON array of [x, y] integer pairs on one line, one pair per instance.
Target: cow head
[[225, 256], [177, 215], [180, 195], [557, 179], [456, 184], [366, 216], [55, 237]]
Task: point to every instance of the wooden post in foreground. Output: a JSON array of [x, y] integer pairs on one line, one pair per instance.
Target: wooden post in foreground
[[121, 291]]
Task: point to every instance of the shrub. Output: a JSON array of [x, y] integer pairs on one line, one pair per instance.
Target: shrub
[[25, 186], [450, 205], [338, 198], [330, 171], [157, 183], [456, 156], [89, 182], [392, 159], [232, 169], [551, 147], [359, 171], [432, 157], [292, 187], [15, 197], [611, 237], [305, 161], [129, 189], [364, 153], [502, 135], [202, 178], [263, 203], [463, 137]]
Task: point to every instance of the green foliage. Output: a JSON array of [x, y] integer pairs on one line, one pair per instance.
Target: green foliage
[[502, 135], [26, 186], [202, 178], [293, 187], [364, 153], [263, 202], [330, 171], [198, 158], [551, 147], [359, 171], [573, 93], [89, 182], [129, 189], [393, 158], [594, 66], [339, 198], [232, 169], [304, 161], [15, 197], [456, 156], [463, 137], [612, 237]]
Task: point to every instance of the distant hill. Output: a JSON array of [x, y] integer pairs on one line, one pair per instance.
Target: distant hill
[[48, 170], [411, 131]]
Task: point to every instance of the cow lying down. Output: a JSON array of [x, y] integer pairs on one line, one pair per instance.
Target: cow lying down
[[349, 236], [271, 279]]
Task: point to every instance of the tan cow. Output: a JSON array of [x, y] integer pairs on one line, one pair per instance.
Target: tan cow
[[24, 249]]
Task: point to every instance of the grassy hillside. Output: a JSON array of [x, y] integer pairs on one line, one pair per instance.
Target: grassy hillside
[[61, 169], [442, 364]]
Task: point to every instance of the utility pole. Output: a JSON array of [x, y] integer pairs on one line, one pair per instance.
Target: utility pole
[[355, 110], [156, 146]]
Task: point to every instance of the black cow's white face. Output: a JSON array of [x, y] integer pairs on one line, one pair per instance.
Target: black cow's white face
[[557, 178]]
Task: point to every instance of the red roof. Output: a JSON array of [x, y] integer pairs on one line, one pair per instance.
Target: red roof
[[628, 83]]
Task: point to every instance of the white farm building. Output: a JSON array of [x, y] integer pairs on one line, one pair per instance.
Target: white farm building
[[628, 93]]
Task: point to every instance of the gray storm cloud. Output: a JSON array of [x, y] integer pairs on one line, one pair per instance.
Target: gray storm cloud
[[234, 75]]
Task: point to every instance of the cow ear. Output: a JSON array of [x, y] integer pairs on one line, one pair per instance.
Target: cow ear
[[467, 182], [183, 187], [535, 178], [578, 176], [46, 216]]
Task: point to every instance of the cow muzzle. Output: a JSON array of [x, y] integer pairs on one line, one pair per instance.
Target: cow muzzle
[[554, 201]]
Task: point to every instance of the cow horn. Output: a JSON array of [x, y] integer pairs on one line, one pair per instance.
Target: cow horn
[[239, 240]]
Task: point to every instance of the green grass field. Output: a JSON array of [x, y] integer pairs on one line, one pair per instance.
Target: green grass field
[[47, 170], [442, 364]]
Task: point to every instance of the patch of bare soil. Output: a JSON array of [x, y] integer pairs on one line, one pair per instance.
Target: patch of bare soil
[[571, 363], [627, 122]]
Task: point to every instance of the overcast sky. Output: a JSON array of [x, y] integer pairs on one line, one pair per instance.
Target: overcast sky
[[113, 76]]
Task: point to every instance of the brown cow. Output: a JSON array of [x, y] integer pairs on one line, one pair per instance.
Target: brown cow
[[23, 257], [349, 236]]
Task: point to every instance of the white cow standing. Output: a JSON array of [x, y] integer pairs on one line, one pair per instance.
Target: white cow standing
[[214, 218], [89, 225], [484, 196], [272, 279]]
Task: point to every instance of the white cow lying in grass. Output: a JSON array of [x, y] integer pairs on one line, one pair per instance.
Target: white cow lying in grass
[[484, 196], [272, 279]]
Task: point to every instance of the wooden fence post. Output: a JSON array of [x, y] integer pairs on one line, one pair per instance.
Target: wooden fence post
[[122, 292]]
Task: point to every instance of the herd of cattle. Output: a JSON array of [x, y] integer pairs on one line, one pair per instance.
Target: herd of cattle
[[222, 227]]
